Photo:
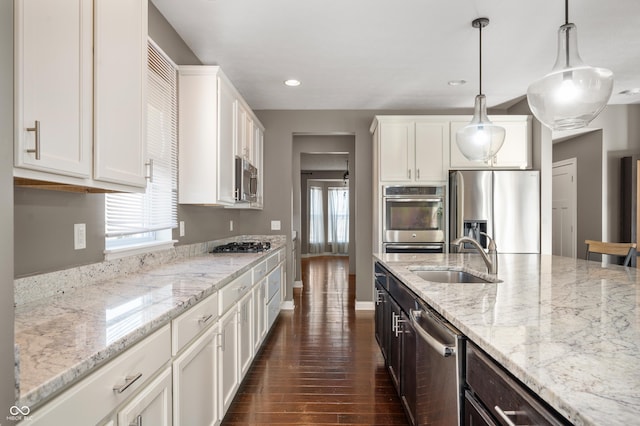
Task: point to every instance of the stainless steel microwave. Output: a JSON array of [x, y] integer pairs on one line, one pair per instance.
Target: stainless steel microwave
[[246, 190]]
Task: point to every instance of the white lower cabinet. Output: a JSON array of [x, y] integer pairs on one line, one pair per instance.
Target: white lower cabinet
[[259, 309], [186, 373], [245, 332], [152, 406], [227, 359], [195, 383]]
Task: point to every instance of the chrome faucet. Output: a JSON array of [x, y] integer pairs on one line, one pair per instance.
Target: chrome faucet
[[490, 258]]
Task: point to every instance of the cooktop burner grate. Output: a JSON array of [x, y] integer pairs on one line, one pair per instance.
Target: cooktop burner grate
[[243, 247]]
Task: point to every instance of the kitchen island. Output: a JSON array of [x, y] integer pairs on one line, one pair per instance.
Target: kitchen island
[[568, 329]]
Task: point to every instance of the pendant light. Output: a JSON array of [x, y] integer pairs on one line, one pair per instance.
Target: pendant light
[[480, 140], [573, 93]]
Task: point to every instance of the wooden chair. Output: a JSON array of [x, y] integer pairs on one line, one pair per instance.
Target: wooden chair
[[626, 250]]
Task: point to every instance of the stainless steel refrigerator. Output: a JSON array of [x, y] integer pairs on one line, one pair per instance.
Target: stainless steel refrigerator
[[505, 204]]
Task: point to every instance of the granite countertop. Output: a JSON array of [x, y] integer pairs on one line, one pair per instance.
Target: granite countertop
[[64, 337], [568, 329]]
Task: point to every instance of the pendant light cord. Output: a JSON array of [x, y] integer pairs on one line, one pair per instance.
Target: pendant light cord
[[480, 57], [566, 35]]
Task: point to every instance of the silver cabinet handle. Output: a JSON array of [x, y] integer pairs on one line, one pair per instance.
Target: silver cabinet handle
[[398, 326], [149, 170], [409, 173], [128, 381], [394, 323], [417, 173], [378, 298], [36, 129], [137, 421], [205, 318], [505, 415]]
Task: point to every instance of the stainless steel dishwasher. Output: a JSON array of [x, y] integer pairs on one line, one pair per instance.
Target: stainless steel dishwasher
[[436, 383]]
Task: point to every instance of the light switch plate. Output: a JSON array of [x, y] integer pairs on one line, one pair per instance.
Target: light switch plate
[[182, 228], [275, 225], [230, 225], [79, 236]]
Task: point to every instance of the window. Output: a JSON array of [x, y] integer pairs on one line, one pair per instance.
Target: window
[[134, 220], [338, 216], [316, 220]]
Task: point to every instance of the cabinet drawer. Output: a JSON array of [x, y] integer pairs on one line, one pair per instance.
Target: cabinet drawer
[[100, 393], [191, 323], [233, 291], [273, 282], [503, 396], [259, 271], [273, 260]]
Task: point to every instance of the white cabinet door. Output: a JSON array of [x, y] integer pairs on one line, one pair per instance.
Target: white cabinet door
[[245, 334], [53, 86], [431, 143], [152, 406], [241, 118], [228, 378], [120, 78], [195, 395], [516, 152], [226, 160], [259, 329], [396, 151]]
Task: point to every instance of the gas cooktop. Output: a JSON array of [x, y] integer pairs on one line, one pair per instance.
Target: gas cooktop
[[243, 247]]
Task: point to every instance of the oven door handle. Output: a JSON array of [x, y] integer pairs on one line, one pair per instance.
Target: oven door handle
[[415, 246], [441, 348], [413, 200]]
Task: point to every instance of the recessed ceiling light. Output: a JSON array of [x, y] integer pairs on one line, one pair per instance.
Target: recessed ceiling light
[[631, 92], [456, 82], [292, 82]]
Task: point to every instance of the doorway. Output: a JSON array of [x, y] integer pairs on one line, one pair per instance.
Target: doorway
[[564, 214], [324, 158]]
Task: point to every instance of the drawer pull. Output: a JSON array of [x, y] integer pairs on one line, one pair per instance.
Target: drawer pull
[[505, 415], [128, 381], [205, 318], [137, 421], [242, 289]]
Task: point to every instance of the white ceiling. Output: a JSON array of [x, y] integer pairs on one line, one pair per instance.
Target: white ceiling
[[390, 54]]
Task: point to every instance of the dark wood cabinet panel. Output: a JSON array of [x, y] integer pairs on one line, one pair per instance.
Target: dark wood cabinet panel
[[503, 396]]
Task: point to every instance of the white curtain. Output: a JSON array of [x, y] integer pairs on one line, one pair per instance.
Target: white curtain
[[316, 220], [338, 219]]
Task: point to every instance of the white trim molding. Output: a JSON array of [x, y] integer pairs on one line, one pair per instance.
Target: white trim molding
[[297, 284], [365, 306], [287, 305]]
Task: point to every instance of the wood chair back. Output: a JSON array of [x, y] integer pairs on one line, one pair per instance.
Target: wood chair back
[[626, 250]]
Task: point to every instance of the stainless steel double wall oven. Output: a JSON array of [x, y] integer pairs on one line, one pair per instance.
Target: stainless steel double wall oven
[[413, 219]]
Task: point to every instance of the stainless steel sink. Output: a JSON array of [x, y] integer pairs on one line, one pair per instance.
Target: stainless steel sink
[[447, 276]]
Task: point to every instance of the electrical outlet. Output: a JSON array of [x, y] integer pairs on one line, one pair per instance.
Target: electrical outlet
[[231, 225], [275, 225], [182, 228], [79, 236]]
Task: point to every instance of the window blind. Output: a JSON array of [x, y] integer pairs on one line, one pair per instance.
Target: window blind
[[156, 208]]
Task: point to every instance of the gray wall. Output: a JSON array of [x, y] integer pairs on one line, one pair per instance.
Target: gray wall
[[587, 149], [7, 377]]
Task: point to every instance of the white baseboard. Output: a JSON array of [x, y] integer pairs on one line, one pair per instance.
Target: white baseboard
[[297, 284], [365, 306], [287, 305]]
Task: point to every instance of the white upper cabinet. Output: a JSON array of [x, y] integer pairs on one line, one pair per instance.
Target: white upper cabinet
[[215, 127], [120, 69], [80, 116], [206, 148], [516, 152], [412, 150], [53, 83]]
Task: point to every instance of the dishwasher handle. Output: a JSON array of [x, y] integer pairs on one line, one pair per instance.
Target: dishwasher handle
[[440, 347]]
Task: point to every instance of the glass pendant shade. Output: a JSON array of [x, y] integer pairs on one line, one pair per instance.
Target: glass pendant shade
[[480, 140], [573, 93]]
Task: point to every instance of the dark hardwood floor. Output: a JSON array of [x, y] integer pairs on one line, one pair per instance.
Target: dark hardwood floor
[[321, 364]]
